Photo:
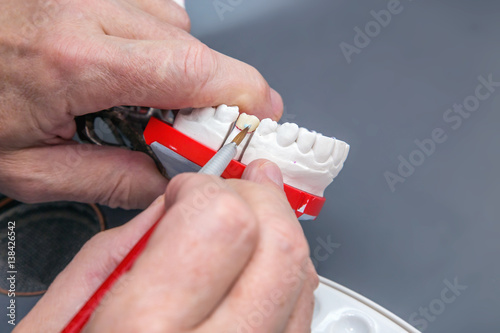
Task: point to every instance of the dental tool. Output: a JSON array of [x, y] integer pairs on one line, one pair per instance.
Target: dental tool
[[215, 166], [221, 159], [197, 134]]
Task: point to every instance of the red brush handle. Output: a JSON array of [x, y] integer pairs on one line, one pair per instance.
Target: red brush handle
[[80, 319]]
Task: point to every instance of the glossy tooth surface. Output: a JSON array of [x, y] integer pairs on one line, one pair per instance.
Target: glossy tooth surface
[[227, 114], [203, 113], [245, 120], [323, 148], [267, 126], [287, 134], [305, 140]]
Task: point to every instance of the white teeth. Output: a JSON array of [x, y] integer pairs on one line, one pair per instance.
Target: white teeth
[[267, 126], [309, 161], [287, 134], [226, 113], [306, 139], [245, 120], [340, 152], [203, 113], [323, 148], [202, 125]]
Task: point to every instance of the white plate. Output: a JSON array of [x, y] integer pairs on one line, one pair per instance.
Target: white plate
[[338, 309]]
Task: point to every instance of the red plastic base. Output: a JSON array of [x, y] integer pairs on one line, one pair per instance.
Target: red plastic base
[[306, 206]]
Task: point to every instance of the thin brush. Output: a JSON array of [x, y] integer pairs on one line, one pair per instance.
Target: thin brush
[[220, 161], [238, 138], [216, 166]]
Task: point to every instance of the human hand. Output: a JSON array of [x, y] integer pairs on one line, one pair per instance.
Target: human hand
[[64, 58], [227, 256]]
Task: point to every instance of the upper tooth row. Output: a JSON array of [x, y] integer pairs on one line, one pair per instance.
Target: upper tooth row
[[289, 133], [224, 113], [286, 134]]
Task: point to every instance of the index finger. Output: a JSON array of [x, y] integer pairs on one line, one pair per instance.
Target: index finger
[[167, 74]]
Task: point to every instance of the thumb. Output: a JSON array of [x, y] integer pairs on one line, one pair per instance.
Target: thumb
[[82, 172], [264, 172], [172, 74]]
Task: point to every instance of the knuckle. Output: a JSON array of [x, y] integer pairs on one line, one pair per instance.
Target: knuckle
[[67, 59], [174, 185], [314, 280], [183, 180], [232, 217], [194, 184], [313, 275], [198, 66], [301, 249], [270, 193], [183, 21], [293, 241], [261, 85], [117, 195]]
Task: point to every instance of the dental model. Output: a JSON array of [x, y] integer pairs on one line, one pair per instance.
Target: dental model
[[309, 160]]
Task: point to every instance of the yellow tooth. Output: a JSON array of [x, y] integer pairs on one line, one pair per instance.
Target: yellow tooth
[[245, 120]]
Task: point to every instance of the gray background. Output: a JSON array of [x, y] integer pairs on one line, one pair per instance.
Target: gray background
[[442, 223]]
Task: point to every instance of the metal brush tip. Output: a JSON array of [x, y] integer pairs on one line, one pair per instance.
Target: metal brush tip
[[238, 138]]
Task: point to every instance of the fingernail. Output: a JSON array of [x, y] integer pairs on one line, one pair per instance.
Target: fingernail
[[263, 171], [158, 201], [276, 103], [272, 172]]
